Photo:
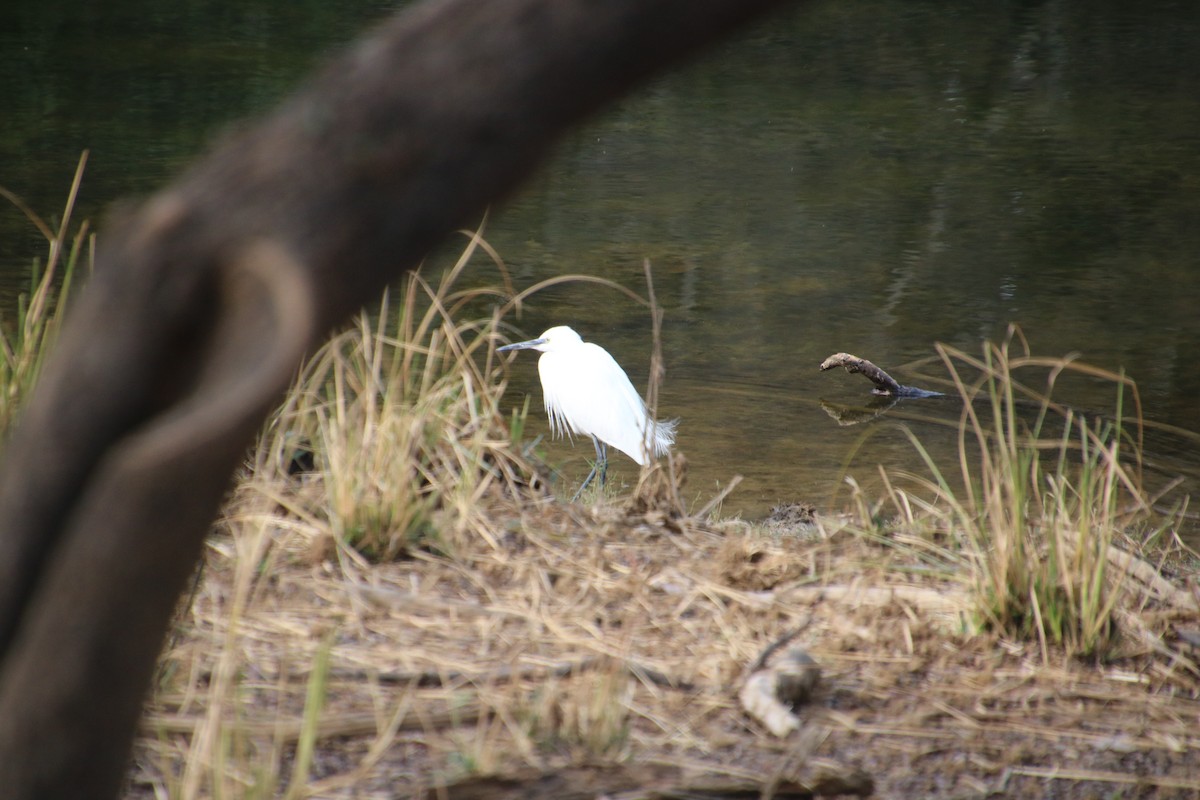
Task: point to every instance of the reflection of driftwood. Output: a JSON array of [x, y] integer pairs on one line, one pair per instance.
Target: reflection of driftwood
[[846, 416], [884, 384], [203, 301]]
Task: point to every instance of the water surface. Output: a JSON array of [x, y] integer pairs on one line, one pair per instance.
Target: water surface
[[871, 177]]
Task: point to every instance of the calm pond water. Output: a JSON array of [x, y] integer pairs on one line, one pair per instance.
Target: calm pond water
[[871, 177]]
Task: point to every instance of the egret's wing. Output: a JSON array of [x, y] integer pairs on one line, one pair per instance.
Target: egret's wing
[[634, 432], [586, 391]]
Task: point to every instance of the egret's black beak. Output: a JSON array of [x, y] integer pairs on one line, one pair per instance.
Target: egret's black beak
[[521, 345]]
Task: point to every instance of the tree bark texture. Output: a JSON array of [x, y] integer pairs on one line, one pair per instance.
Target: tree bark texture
[[203, 301]]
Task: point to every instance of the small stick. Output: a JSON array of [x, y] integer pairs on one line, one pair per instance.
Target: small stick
[[504, 674]]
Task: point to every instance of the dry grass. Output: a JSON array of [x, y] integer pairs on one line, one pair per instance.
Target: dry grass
[[400, 419], [25, 341], [599, 638], [394, 606], [500, 643], [1046, 494]]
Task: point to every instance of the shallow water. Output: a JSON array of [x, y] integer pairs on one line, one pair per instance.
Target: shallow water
[[871, 177], [876, 178]]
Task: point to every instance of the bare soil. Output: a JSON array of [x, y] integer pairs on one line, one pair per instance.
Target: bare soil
[[599, 652]]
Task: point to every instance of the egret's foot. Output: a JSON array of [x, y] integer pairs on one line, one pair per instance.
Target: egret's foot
[[599, 469], [585, 483]]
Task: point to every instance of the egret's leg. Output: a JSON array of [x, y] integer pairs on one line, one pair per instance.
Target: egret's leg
[[603, 458], [584, 485], [600, 466]]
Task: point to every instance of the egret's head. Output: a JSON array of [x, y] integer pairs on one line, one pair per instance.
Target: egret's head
[[556, 338]]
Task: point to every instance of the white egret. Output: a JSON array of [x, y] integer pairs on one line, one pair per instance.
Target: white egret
[[585, 391]]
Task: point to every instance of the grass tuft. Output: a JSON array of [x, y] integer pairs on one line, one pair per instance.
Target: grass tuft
[[399, 419], [1041, 496], [26, 341], [588, 719]]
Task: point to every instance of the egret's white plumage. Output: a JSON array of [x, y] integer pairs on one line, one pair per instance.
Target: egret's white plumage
[[586, 392]]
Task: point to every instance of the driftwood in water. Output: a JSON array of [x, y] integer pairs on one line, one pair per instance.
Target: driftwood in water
[[204, 300], [885, 384]]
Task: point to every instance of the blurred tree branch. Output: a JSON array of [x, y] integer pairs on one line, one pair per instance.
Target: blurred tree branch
[[203, 301]]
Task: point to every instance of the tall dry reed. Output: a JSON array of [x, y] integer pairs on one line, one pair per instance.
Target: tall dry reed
[[1041, 495], [27, 340]]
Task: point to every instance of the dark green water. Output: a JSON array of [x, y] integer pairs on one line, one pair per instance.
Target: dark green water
[[871, 177]]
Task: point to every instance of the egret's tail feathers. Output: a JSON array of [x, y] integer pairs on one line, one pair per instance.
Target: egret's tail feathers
[[662, 436]]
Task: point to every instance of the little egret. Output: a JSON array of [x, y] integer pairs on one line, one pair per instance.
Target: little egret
[[586, 392]]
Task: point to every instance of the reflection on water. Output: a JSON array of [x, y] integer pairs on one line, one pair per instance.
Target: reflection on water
[[870, 177]]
